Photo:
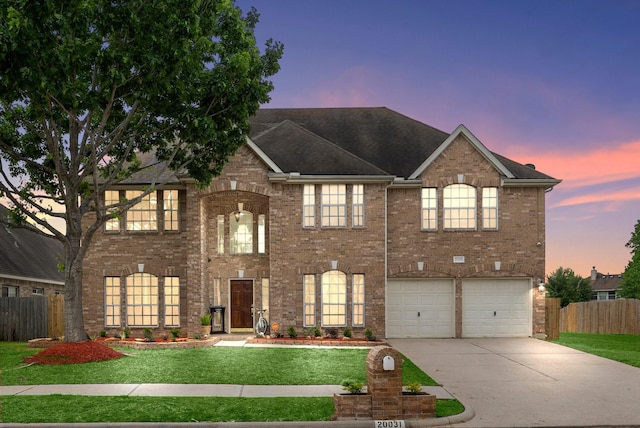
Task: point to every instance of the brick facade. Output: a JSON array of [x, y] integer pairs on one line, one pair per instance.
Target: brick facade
[[389, 246]]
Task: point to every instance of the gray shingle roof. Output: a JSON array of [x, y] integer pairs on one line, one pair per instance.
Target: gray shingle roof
[[27, 254], [394, 144]]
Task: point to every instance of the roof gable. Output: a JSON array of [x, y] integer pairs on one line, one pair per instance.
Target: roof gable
[[462, 130]]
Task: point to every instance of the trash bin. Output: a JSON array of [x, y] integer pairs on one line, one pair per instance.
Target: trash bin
[[217, 319]]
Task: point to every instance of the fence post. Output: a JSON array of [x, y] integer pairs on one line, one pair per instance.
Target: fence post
[[552, 317]]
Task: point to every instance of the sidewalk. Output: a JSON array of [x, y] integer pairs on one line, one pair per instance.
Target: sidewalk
[[191, 390]]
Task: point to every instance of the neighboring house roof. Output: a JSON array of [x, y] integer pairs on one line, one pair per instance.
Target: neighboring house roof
[[27, 255], [605, 282], [374, 141]]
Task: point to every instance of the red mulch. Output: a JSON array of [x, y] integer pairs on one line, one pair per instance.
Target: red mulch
[[74, 353]]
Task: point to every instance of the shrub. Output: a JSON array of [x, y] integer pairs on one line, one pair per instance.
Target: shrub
[[317, 332], [292, 332], [205, 319], [332, 333], [352, 386], [346, 332], [103, 333], [413, 387], [175, 333], [369, 334], [148, 334]]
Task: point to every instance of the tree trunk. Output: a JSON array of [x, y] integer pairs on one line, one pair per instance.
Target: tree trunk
[[74, 330]]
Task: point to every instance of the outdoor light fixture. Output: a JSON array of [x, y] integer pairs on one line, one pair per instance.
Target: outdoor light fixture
[[140, 267], [237, 213], [541, 287], [420, 266]]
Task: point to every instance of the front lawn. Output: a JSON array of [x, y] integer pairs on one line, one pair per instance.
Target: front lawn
[[245, 366], [214, 365], [619, 347]]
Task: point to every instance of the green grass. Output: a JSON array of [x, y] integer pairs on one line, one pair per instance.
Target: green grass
[[217, 365], [619, 347], [245, 366], [70, 409]]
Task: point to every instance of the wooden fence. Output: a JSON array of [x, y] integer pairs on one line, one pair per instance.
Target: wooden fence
[[552, 317], [620, 316], [26, 318]]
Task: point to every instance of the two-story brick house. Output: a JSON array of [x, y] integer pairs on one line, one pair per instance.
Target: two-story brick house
[[335, 218]]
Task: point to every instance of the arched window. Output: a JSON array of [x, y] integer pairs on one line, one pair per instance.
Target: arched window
[[334, 299], [459, 207], [241, 233]]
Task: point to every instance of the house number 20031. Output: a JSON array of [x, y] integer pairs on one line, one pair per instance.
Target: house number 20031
[[389, 424]]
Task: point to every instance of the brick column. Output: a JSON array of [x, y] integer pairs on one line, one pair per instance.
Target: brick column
[[384, 386]]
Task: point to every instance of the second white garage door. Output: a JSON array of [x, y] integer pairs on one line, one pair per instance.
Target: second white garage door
[[420, 308], [496, 308]]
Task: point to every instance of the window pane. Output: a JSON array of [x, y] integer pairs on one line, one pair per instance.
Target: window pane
[[459, 210], [334, 298], [358, 299], [112, 197], [358, 205], [142, 300], [241, 233], [171, 301], [490, 208], [170, 202], [429, 208], [220, 234], [309, 300], [142, 216], [262, 233], [309, 206], [334, 205], [112, 301]]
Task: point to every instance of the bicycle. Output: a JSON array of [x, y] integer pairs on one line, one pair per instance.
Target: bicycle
[[262, 325]]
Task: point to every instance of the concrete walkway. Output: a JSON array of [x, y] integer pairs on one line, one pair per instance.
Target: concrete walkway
[[529, 382]]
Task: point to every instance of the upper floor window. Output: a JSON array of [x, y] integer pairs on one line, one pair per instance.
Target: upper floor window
[[170, 206], [334, 205], [241, 233], [459, 207], [112, 197], [490, 208], [143, 215], [358, 205], [309, 205], [429, 208]]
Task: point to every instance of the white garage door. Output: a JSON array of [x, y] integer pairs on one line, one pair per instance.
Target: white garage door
[[420, 308], [496, 308]]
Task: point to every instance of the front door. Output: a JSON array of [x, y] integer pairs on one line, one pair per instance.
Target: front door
[[241, 301]]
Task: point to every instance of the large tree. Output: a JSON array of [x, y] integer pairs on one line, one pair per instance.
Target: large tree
[[87, 86], [631, 276], [568, 286]]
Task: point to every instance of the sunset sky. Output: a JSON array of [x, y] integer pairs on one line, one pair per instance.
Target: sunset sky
[[553, 83]]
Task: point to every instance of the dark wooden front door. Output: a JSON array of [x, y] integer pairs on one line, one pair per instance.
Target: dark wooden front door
[[241, 301]]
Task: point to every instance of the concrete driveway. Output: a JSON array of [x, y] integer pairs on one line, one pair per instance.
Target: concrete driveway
[[529, 382]]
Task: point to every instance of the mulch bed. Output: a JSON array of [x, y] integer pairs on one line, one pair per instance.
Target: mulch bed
[[317, 341], [74, 353]]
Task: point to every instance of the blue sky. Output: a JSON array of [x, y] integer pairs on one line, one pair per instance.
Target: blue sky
[[553, 83]]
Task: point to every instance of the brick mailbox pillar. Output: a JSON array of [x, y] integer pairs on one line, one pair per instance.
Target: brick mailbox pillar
[[384, 382]]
